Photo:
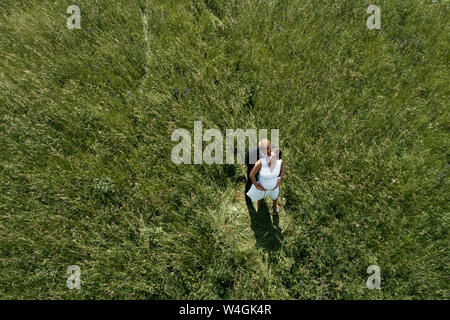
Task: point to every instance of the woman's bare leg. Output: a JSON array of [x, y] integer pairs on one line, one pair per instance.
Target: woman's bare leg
[[275, 204], [258, 203]]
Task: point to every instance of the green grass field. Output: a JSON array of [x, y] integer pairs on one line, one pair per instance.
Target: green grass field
[[85, 144]]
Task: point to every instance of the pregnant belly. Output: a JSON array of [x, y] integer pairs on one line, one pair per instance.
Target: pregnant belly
[[269, 185]]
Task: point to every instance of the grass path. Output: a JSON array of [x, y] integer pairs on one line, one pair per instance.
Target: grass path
[[253, 234]]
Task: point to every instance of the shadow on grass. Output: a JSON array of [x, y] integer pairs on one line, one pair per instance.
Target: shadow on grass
[[267, 233]]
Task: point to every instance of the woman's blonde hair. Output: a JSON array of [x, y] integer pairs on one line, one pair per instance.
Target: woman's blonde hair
[[276, 153]]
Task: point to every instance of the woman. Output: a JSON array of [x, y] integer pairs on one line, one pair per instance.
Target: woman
[[271, 173]]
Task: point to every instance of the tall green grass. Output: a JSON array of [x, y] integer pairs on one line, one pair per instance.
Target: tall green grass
[[86, 175]]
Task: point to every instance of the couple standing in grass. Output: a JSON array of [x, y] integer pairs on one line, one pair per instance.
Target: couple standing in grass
[[265, 175]]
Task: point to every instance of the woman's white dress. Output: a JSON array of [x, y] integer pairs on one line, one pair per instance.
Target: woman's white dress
[[268, 180]]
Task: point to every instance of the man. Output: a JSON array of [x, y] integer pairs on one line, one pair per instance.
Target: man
[[253, 155]]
